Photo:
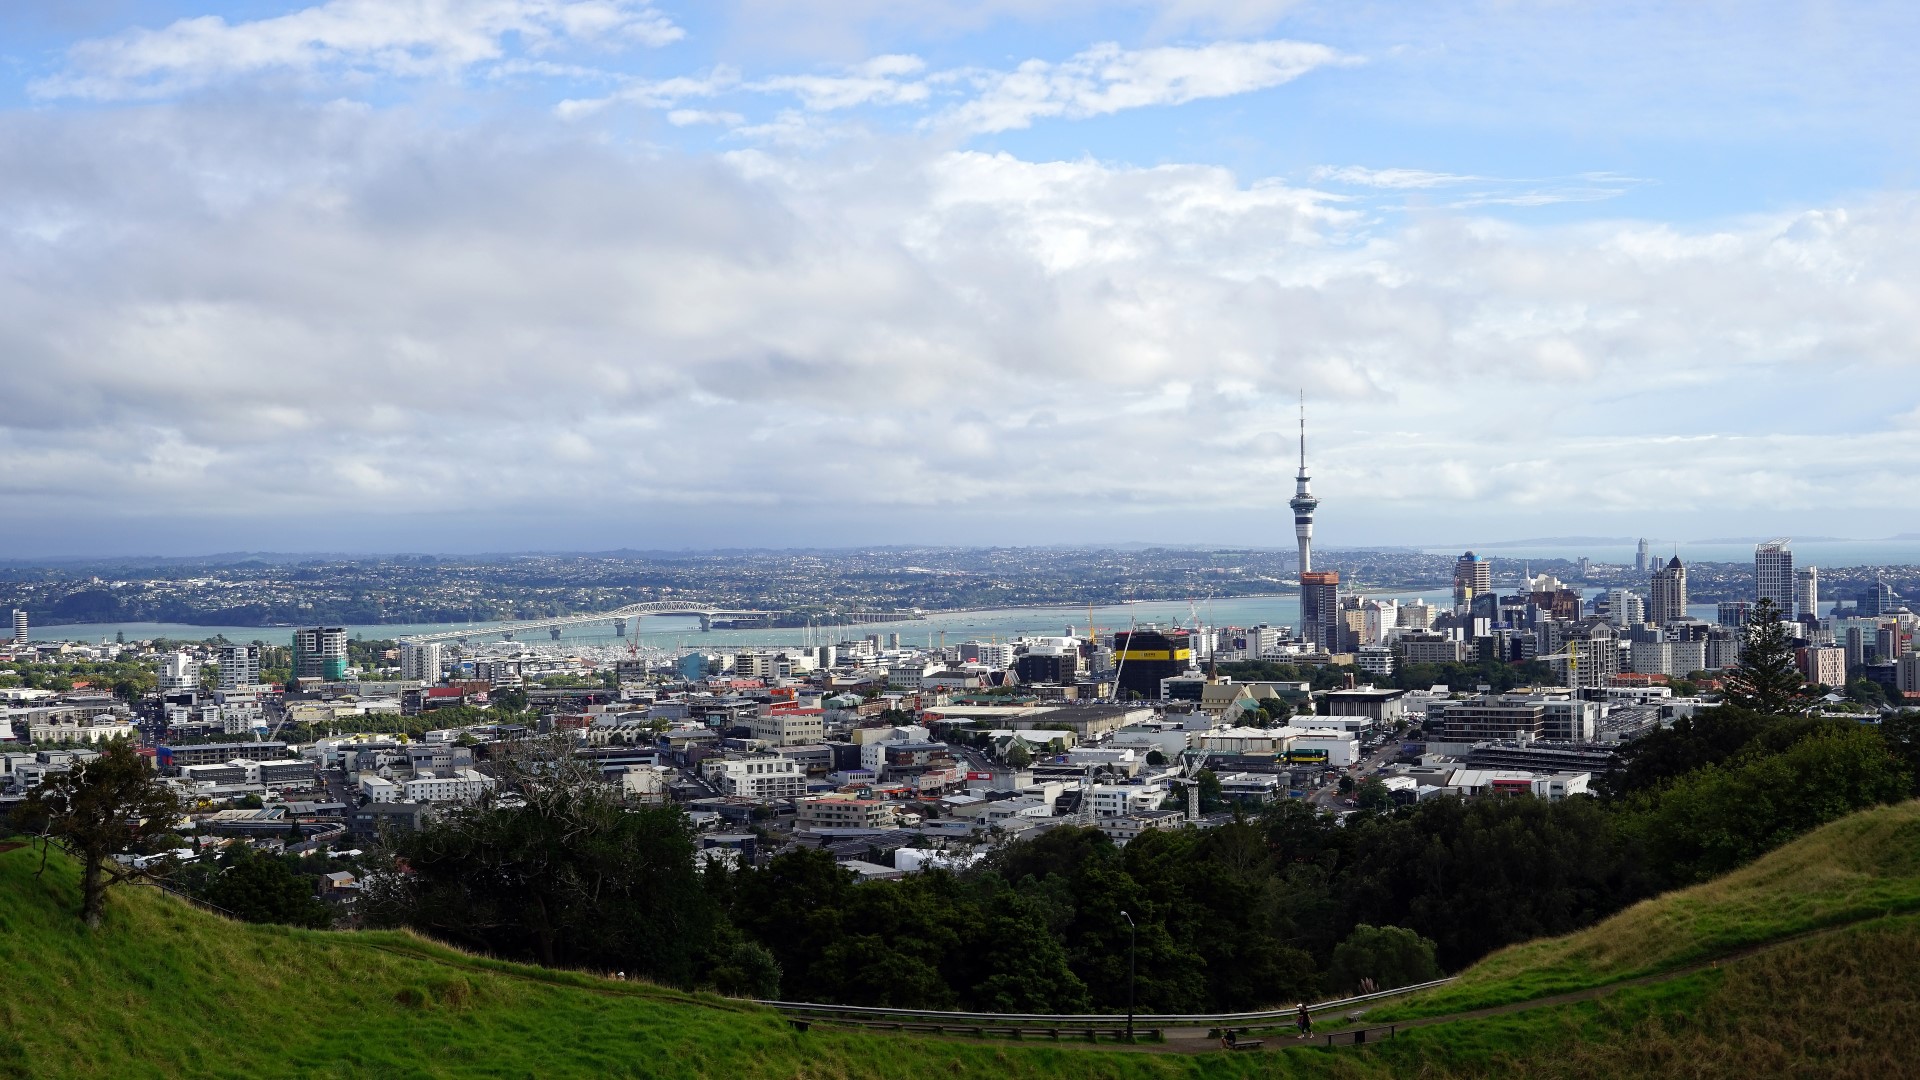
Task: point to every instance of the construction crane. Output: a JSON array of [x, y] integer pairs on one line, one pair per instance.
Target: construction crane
[[1190, 779]]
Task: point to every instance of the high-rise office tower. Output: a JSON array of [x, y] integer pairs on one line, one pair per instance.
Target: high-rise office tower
[[239, 666], [1320, 609], [1806, 592], [1640, 557], [1773, 575], [1889, 644], [1877, 600], [19, 627], [320, 652], [1669, 594], [1303, 504], [1472, 576]]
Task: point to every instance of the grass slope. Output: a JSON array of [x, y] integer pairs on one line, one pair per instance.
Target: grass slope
[[1861, 866], [162, 989]]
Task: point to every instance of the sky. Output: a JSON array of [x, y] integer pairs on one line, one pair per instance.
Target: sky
[[489, 275]]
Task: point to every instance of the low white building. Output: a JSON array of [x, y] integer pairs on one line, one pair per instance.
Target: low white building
[[379, 789], [447, 785], [95, 729], [1341, 747], [996, 813], [1119, 800], [760, 778], [1246, 740]]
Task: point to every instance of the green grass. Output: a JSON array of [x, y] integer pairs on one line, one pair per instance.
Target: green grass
[[163, 990], [1861, 866]]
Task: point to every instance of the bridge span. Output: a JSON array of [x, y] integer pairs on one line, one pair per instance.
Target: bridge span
[[618, 618]]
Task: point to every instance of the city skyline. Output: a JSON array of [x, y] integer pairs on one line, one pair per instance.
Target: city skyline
[[568, 275]]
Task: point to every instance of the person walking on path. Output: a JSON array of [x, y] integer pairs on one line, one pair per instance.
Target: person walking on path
[[1304, 1021]]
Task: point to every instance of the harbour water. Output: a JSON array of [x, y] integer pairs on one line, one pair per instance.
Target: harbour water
[[678, 631]]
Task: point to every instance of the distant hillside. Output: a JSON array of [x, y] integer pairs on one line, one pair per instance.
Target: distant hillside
[[1818, 953]]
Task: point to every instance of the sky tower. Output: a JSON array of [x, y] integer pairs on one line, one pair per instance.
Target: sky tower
[[1303, 501]]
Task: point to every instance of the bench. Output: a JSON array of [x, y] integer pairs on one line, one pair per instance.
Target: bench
[[1246, 1044]]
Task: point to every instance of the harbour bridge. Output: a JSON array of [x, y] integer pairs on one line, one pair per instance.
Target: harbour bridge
[[618, 618]]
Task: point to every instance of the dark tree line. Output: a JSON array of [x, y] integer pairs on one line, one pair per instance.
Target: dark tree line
[[1263, 911]]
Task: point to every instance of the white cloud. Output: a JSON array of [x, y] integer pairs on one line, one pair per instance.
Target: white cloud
[[1107, 79], [391, 37], [331, 311], [1389, 178], [689, 117], [653, 93], [878, 81]]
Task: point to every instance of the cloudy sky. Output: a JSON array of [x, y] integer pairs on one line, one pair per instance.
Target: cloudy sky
[[460, 275]]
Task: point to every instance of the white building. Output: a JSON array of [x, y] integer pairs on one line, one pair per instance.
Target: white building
[[447, 785], [1806, 592], [1773, 576], [759, 778], [1374, 659], [1653, 658], [908, 674], [789, 728], [1342, 748], [239, 666], [1625, 607], [379, 789], [1116, 756], [179, 672], [1119, 800], [92, 729], [420, 660]]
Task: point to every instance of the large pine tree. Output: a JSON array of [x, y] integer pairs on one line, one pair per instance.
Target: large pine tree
[[1766, 680]]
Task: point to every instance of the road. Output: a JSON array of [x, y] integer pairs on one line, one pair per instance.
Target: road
[[1329, 797]]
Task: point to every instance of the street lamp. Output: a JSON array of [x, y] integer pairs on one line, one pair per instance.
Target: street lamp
[[1133, 939]]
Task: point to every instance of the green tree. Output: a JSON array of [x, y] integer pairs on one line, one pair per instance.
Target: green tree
[[1718, 817], [98, 809], [258, 888], [1901, 733], [573, 878], [1017, 755], [1391, 956], [1766, 680], [1373, 795]]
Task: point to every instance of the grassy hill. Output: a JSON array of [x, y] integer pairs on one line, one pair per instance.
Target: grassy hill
[[162, 989]]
